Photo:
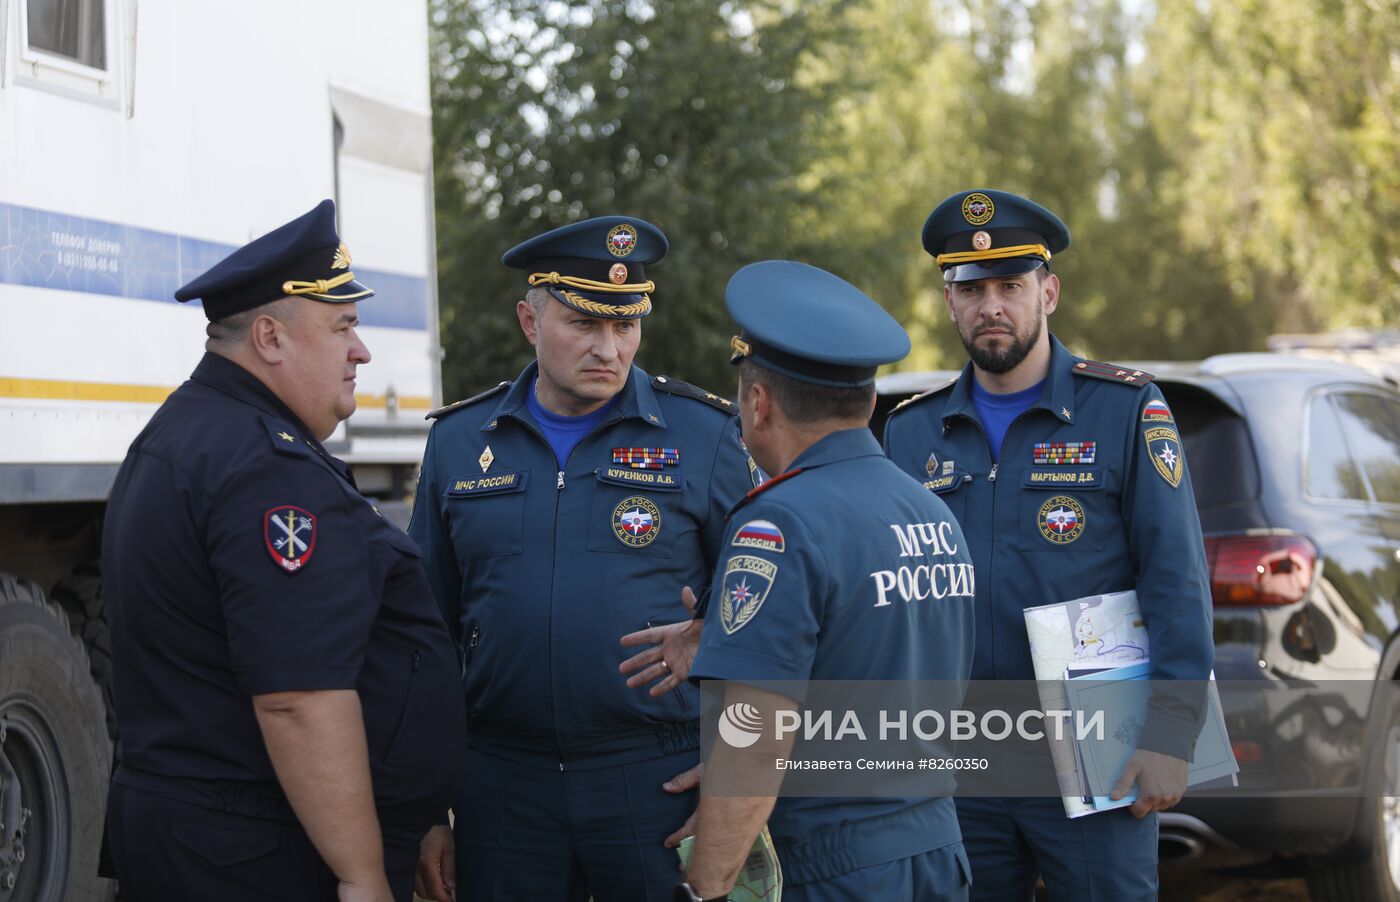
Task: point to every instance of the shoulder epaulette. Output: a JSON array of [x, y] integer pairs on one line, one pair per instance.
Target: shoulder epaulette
[[673, 386], [284, 438], [1111, 372], [458, 405], [760, 489], [928, 394]]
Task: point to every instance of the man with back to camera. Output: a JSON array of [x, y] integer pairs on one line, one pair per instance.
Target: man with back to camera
[[788, 607], [285, 688], [558, 513], [997, 445]]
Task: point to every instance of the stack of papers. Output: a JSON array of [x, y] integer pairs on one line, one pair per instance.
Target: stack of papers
[[1091, 654]]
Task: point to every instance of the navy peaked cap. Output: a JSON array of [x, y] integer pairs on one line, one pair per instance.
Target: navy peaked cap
[[810, 325], [597, 266], [304, 258], [985, 234]]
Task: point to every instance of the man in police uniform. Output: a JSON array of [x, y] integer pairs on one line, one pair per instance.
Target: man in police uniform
[[285, 687], [1069, 480], [803, 591], [557, 513]]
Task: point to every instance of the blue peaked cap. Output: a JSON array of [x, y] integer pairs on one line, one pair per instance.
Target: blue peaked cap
[[810, 325], [986, 234], [304, 258], [597, 266]]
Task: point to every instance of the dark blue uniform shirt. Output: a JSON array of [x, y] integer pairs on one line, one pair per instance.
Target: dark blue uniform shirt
[[239, 559], [541, 570], [824, 577], [1091, 495]]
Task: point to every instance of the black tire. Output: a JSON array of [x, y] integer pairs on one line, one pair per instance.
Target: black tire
[[1368, 870], [56, 742], [80, 596]]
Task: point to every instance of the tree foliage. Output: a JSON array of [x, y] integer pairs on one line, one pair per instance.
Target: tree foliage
[[685, 113], [1227, 168]]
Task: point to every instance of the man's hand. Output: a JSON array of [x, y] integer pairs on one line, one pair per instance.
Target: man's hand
[[672, 651], [437, 867], [678, 784], [371, 892], [1161, 781]]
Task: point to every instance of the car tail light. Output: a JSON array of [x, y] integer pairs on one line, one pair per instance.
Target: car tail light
[[1247, 752], [1249, 571]]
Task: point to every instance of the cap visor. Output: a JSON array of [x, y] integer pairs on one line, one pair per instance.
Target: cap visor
[[343, 294], [991, 269]]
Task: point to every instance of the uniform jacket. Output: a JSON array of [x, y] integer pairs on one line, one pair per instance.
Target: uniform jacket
[[239, 559], [843, 568], [541, 570], [1091, 496]]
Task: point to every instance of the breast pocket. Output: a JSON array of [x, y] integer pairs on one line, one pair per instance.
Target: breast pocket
[[486, 515], [632, 514], [1066, 510], [952, 489]]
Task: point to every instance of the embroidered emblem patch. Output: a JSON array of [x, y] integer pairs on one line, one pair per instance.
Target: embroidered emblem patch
[[1157, 412], [760, 534], [931, 465], [647, 458], [978, 209], [622, 240], [747, 581], [290, 534], [636, 522], [617, 274], [1061, 520], [1164, 447], [1063, 452]]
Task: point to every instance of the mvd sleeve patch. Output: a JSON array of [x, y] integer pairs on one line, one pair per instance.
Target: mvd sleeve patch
[[747, 581], [1164, 447], [290, 534]]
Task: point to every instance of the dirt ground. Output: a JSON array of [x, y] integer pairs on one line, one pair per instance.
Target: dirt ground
[[1187, 886]]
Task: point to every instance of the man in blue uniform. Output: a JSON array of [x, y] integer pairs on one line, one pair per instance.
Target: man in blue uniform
[[1068, 478], [285, 687], [557, 513], [803, 591]]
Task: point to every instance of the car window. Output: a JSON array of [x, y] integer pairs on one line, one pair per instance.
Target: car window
[[1331, 472], [1372, 426], [1218, 450]]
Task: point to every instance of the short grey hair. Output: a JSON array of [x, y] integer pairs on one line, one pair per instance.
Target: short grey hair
[[538, 298], [232, 330]]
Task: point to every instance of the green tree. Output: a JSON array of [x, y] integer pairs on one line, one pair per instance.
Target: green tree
[[1282, 119], [686, 113]]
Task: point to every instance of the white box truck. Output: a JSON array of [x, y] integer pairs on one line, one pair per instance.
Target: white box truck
[[140, 142]]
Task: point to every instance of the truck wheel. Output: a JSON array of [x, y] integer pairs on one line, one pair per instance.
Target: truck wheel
[[80, 596], [1369, 871], [54, 755]]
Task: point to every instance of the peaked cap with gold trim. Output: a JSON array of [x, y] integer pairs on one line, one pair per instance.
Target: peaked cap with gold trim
[[597, 266], [304, 258], [987, 234]]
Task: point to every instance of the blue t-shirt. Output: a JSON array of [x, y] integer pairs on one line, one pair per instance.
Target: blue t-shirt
[[563, 433], [997, 411]]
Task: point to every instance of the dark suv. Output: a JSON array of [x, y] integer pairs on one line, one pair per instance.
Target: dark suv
[[1296, 468]]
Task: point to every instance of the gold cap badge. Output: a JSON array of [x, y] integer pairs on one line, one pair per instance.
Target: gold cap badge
[[342, 257]]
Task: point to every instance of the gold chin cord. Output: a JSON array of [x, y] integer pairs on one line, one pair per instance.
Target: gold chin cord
[[554, 278], [998, 253], [321, 287]]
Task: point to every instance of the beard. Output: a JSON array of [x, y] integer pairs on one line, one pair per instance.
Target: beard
[[1008, 358]]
